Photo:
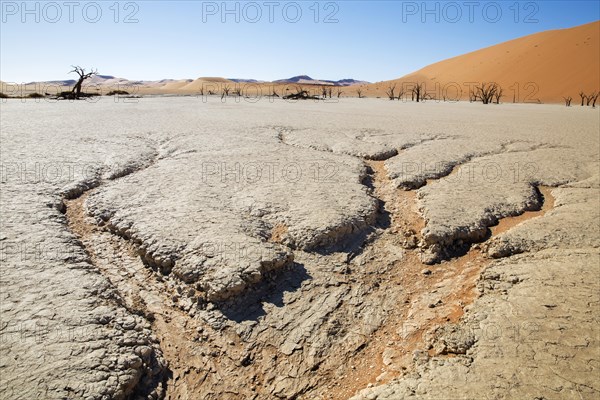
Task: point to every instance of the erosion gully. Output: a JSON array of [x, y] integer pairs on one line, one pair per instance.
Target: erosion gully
[[428, 297]]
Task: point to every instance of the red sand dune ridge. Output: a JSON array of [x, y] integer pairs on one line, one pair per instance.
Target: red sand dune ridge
[[544, 66]]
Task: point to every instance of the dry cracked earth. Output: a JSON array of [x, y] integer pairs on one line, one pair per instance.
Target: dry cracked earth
[[179, 249]]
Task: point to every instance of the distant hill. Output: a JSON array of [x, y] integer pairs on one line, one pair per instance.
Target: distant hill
[[245, 80], [350, 82], [307, 80], [185, 86]]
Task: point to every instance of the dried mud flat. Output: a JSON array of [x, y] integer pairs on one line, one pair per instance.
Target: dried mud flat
[[365, 249]]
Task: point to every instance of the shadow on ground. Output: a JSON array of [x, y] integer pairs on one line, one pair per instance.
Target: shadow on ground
[[249, 306]]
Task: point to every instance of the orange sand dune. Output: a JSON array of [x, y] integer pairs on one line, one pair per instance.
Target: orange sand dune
[[206, 83], [544, 66], [186, 86], [173, 86]]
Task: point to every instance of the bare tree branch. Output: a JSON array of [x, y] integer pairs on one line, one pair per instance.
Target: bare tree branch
[[417, 92], [76, 92], [498, 95], [390, 92], [487, 92], [401, 94]]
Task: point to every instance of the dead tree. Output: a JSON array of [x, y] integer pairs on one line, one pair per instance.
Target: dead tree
[[401, 94], [583, 98], [359, 92], [498, 95], [568, 101], [324, 92], [237, 92], [76, 92], [417, 92], [329, 92], [591, 99], [486, 92], [427, 96], [301, 95], [594, 99], [339, 92], [390, 92], [226, 90]]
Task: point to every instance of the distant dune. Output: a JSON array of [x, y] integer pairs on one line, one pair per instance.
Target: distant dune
[[558, 62], [307, 80]]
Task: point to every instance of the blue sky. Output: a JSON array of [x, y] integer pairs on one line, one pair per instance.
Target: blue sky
[[374, 40]]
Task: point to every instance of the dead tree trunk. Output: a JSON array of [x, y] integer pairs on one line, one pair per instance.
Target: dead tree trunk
[[568, 101], [300, 95], [498, 95], [427, 96], [359, 92], [390, 92], [417, 92], [76, 92], [401, 94], [486, 92], [583, 98], [590, 98]]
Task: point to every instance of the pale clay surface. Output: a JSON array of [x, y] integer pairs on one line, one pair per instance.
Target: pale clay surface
[[258, 225]]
